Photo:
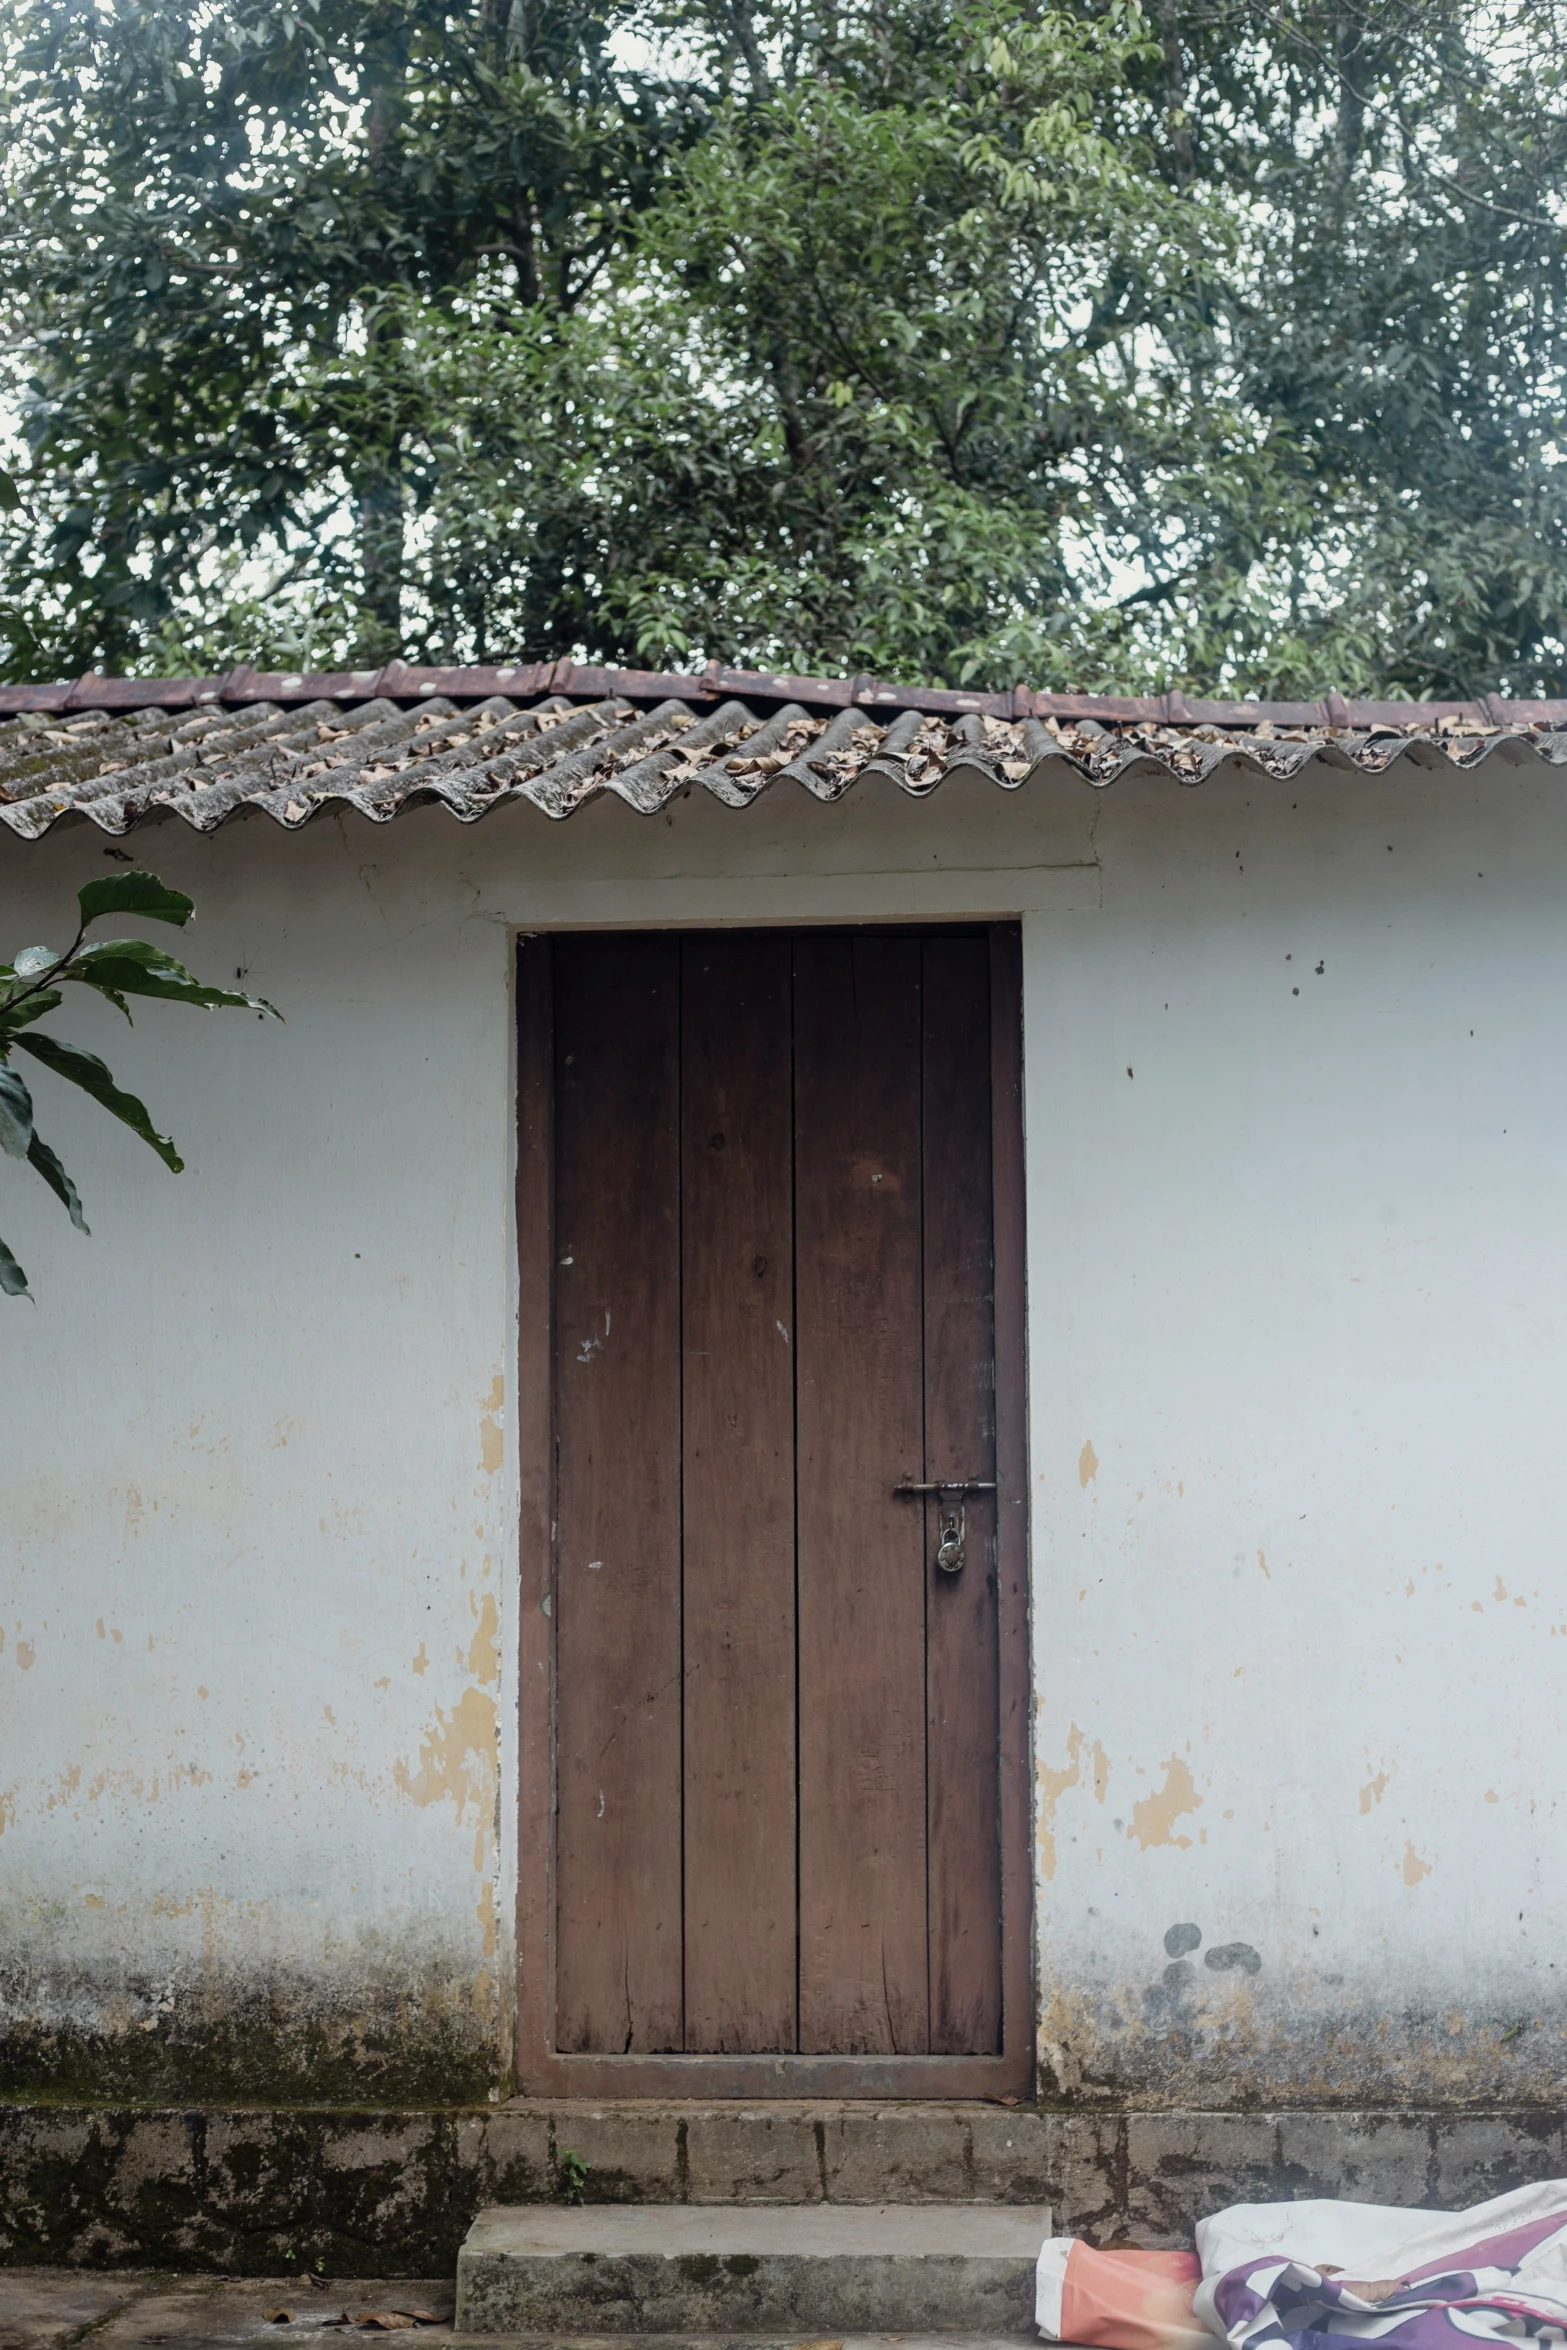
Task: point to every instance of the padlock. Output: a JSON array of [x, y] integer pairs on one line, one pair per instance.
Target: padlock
[[949, 1557]]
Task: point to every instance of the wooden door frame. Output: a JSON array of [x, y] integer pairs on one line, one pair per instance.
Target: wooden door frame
[[541, 2069]]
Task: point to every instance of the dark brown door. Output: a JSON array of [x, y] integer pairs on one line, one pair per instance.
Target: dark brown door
[[771, 1288]]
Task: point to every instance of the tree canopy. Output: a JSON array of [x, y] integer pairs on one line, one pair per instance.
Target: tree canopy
[[1211, 343]]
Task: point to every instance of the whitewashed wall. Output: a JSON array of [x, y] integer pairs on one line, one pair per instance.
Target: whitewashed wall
[[257, 1729], [1297, 1356], [1298, 1154]]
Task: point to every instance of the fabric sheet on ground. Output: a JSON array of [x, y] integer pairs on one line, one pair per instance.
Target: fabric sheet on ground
[[1303, 2273]]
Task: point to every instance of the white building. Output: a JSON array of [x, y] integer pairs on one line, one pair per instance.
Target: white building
[[1225, 1790]]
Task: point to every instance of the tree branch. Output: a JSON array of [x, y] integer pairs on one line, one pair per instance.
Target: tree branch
[[1397, 118]]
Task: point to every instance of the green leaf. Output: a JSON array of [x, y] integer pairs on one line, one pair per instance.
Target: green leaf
[[16, 1115], [47, 1162], [129, 966], [112, 995], [13, 1281], [14, 1016], [87, 1071], [135, 893], [10, 499]]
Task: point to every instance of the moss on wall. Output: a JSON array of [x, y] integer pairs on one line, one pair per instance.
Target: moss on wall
[[418, 2042]]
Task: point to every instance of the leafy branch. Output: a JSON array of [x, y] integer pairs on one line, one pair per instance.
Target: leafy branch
[[31, 988]]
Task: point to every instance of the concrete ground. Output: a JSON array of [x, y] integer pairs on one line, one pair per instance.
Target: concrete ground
[[55, 2308], [61, 2309]]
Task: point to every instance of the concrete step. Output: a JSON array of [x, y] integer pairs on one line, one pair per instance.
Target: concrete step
[[439, 2338], [927, 2269]]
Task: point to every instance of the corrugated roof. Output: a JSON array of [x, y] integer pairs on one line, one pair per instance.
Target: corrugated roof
[[115, 751]]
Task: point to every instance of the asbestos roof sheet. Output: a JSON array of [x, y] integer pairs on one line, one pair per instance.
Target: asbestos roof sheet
[[117, 751]]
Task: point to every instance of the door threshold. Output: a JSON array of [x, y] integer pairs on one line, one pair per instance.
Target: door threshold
[[785, 2150]]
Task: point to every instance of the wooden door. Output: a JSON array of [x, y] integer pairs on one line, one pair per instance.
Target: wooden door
[[774, 1808]]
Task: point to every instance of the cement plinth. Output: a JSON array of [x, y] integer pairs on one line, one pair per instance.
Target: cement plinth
[[370, 2192], [935, 2268]]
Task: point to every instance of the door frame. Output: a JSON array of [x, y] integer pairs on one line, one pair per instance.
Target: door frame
[[542, 2070]]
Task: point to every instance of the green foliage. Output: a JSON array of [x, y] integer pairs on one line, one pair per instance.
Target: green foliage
[[30, 990], [1205, 342]]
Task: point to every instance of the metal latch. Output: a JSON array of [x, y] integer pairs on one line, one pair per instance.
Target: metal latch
[[950, 1547]]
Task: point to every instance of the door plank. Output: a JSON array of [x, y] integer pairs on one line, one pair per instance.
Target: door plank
[[738, 1416], [863, 1956], [617, 1584], [960, 1441]]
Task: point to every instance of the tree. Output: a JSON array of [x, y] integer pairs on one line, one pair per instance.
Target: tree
[[1215, 342], [204, 204], [30, 989], [1402, 322]]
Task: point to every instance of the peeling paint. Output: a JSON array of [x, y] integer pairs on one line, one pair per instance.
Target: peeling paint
[[484, 1656], [1154, 1817], [1414, 1868], [457, 1758], [1052, 1786], [1087, 1464], [492, 1442]]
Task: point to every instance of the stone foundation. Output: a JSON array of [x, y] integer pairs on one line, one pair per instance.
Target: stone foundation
[[374, 2193]]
